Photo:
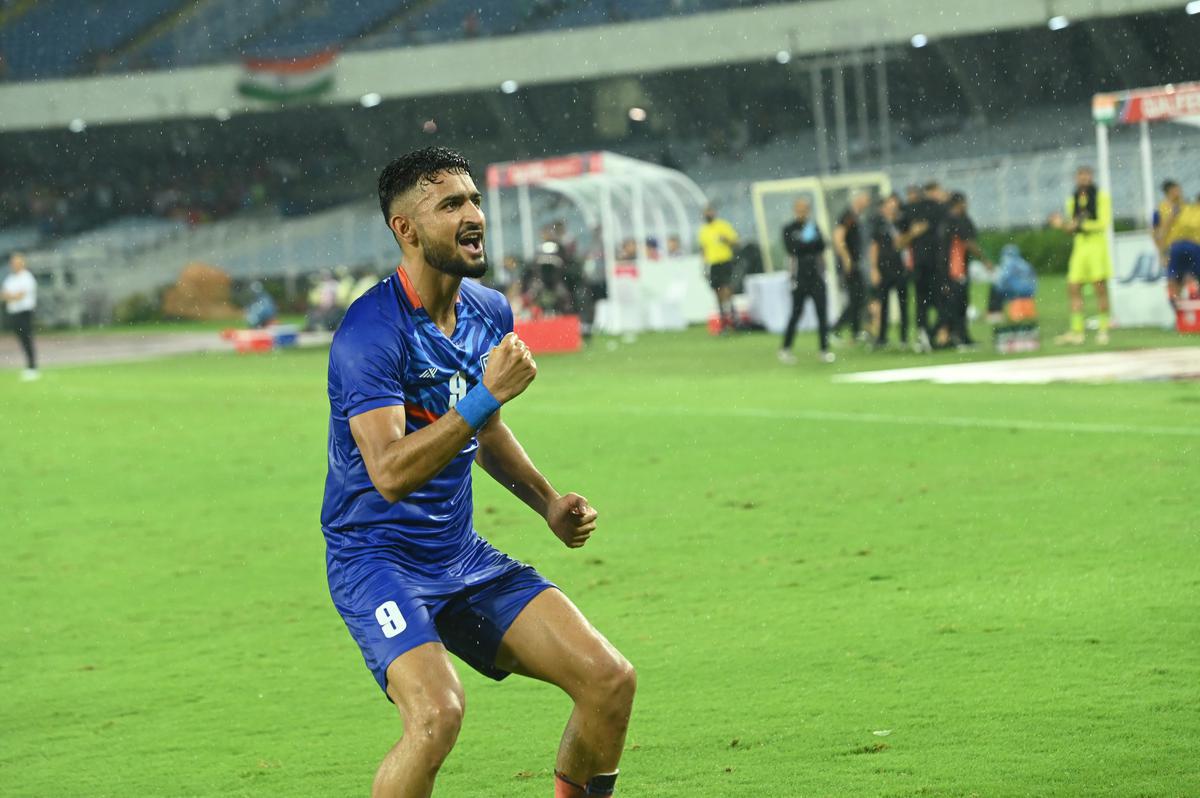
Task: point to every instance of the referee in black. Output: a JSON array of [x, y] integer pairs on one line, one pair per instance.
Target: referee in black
[[803, 242]]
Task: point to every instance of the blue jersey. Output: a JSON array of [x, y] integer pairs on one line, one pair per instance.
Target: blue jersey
[[389, 352]]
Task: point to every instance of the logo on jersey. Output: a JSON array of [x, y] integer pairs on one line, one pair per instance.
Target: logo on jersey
[[429, 373], [483, 359]]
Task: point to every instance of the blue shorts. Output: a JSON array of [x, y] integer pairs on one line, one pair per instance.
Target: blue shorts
[[390, 609], [1183, 258]]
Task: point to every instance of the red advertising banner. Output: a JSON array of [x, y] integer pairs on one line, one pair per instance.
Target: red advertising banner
[[1149, 105], [528, 173]]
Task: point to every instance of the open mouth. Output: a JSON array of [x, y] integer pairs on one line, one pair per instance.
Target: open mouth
[[472, 242]]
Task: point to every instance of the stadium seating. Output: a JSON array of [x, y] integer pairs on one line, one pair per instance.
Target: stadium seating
[[214, 32], [18, 238], [57, 38], [123, 236], [324, 25]]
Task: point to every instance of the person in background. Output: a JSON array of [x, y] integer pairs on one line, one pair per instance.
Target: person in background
[[1016, 280], [804, 244], [19, 292], [717, 239], [1088, 216], [674, 246], [848, 246], [345, 287], [957, 243], [888, 273], [1177, 236], [323, 310], [365, 282], [261, 310], [926, 214]]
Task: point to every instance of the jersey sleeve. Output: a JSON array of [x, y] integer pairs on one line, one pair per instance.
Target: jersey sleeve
[[730, 234], [506, 315], [371, 372]]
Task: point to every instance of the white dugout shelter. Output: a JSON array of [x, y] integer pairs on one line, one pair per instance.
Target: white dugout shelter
[[1137, 287], [1178, 103], [621, 198]]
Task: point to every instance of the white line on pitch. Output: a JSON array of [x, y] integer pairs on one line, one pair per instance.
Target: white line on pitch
[[963, 422]]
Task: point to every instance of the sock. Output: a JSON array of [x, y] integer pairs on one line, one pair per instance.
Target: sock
[[1103, 322], [1077, 322], [565, 788], [602, 784]]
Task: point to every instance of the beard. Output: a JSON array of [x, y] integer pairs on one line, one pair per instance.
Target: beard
[[448, 258]]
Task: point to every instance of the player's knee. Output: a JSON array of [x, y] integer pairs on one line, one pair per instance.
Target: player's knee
[[435, 721], [615, 682]]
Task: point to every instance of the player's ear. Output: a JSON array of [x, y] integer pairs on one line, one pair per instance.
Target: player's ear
[[403, 229]]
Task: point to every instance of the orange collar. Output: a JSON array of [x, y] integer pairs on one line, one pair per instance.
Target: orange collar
[[414, 298]]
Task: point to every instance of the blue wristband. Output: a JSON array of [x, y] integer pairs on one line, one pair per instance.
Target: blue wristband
[[477, 406]]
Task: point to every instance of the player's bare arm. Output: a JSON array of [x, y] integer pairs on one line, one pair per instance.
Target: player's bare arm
[[568, 515], [843, 252], [398, 463], [917, 230], [976, 250]]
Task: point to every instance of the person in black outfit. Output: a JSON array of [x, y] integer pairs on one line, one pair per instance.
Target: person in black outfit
[[848, 246], [803, 242], [957, 243], [926, 215], [888, 272]]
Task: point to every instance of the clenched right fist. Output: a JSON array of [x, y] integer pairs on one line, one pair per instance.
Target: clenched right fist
[[510, 368]]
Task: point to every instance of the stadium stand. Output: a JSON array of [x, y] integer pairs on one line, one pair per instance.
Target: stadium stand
[[57, 38], [214, 31], [120, 237], [165, 34]]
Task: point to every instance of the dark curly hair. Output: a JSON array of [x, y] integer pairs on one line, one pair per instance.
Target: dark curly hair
[[416, 167]]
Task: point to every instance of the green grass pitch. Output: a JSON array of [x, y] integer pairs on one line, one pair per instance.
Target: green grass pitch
[[1017, 609]]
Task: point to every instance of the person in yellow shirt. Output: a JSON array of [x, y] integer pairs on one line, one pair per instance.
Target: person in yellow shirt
[[1089, 213], [717, 239], [1177, 235]]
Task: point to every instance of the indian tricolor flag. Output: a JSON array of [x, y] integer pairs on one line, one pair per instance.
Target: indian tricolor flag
[[288, 79]]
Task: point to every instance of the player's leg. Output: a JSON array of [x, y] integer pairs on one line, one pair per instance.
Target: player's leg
[[23, 327], [902, 298], [820, 304], [858, 297], [391, 621], [725, 295], [550, 640], [884, 298], [919, 293], [1100, 288], [1075, 280], [799, 297], [425, 689]]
